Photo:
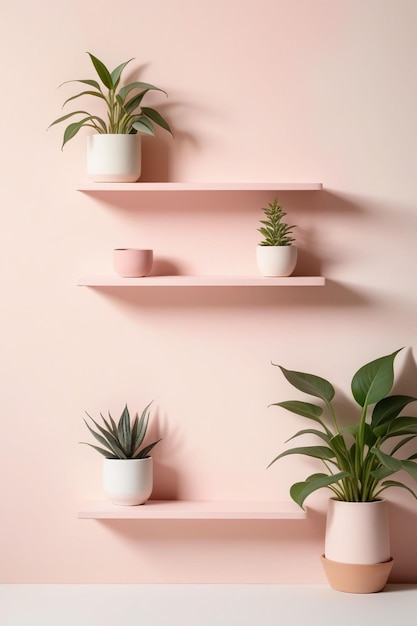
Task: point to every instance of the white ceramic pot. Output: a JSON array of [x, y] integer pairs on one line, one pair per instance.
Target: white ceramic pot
[[128, 481], [276, 260], [357, 532], [132, 262], [114, 158]]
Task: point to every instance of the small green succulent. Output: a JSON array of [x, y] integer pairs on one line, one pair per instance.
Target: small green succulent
[[274, 230], [125, 113], [124, 439]]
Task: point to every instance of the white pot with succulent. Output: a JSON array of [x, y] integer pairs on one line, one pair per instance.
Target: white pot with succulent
[[127, 468], [358, 464], [114, 151], [275, 254]]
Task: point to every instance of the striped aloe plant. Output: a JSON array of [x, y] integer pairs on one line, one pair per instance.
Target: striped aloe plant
[[124, 439]]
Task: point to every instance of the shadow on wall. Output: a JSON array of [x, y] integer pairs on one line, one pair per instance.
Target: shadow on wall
[[403, 526]]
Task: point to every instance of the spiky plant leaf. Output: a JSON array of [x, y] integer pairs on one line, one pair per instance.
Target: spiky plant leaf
[[144, 452], [124, 439]]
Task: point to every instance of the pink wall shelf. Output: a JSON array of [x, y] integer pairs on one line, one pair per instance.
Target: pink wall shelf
[[199, 186], [201, 281], [204, 510]]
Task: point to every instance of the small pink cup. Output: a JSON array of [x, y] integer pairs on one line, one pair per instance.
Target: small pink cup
[[132, 262]]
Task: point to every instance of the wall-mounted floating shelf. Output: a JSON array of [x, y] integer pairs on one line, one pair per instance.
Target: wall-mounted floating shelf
[[193, 510], [199, 187], [201, 281]]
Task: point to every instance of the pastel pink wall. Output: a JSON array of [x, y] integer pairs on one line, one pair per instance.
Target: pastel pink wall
[[259, 90]]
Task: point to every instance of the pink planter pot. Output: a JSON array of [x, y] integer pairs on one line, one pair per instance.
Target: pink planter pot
[[357, 555], [357, 532], [132, 262]]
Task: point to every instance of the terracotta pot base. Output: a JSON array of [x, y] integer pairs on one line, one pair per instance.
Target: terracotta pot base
[[352, 578]]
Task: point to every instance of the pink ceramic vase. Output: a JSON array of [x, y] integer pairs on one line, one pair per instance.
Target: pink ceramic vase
[[132, 262]]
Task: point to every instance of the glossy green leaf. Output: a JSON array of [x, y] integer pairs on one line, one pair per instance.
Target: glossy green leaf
[[85, 93], [309, 383], [145, 87], [300, 491], [394, 483], [143, 125], [305, 409], [374, 381], [102, 71], [116, 73], [317, 452], [387, 409], [402, 425], [397, 465], [157, 118], [311, 431]]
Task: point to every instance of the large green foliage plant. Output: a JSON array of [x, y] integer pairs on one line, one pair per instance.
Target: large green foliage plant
[[123, 104], [358, 459]]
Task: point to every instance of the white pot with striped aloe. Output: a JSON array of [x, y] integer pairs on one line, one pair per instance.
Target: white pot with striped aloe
[[127, 466]]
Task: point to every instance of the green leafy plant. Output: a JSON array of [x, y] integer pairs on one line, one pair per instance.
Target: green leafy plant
[[274, 230], [125, 113], [357, 468], [124, 439]]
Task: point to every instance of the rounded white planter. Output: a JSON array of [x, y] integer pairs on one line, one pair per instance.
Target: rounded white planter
[[357, 532], [276, 260], [114, 158], [128, 481], [132, 262]]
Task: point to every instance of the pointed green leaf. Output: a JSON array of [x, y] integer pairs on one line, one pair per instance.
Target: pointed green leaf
[[403, 425], [311, 431], [317, 452], [300, 491], [102, 71], [105, 453], [67, 116], [305, 409], [309, 383], [387, 409], [402, 443], [143, 125], [123, 430], [85, 81], [116, 73], [157, 118], [108, 439], [395, 483], [373, 381], [124, 91], [85, 93], [396, 465], [141, 454]]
